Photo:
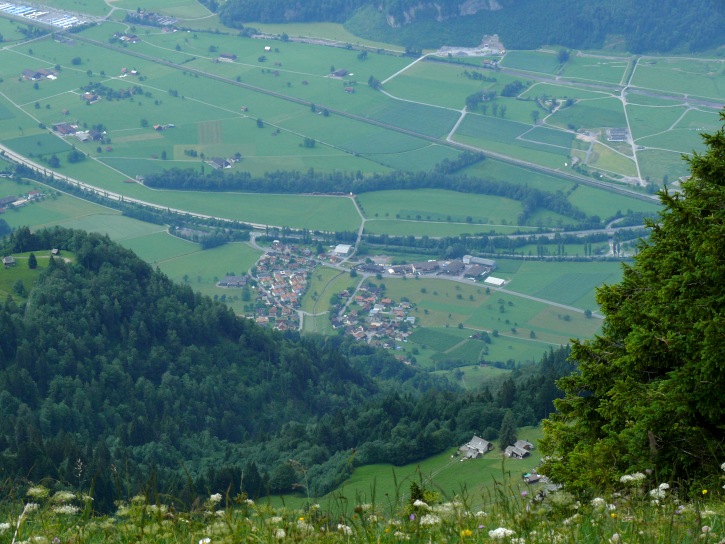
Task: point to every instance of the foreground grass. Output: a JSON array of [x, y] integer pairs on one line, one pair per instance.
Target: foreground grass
[[640, 511]]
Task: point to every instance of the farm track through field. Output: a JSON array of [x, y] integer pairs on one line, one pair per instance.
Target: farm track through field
[[448, 142]]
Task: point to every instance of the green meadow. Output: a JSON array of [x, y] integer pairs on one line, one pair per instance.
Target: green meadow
[[604, 69], [696, 77], [531, 61]]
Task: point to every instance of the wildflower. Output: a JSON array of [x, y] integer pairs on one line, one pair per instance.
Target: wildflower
[[518, 541], [704, 491], [722, 467], [56, 540], [598, 501], [632, 478], [30, 507], [205, 540], [215, 498], [500, 533], [401, 535], [63, 496], [466, 532], [344, 529], [420, 504], [411, 517], [66, 509], [658, 493], [524, 493], [301, 518], [38, 492], [280, 534], [372, 518], [481, 514], [570, 520], [706, 529], [616, 539], [664, 486], [430, 519], [249, 502], [4, 527], [613, 515]]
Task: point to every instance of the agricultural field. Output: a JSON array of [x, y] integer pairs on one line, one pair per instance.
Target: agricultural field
[[326, 31], [183, 9], [438, 206], [695, 77], [587, 67], [532, 61]]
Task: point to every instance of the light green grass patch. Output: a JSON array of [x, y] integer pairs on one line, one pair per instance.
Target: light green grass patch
[[159, 246], [647, 120], [431, 228], [605, 204], [328, 31], [531, 61], [117, 227], [561, 91], [438, 205], [595, 68], [605, 158], [590, 114], [655, 164], [317, 297], [704, 78], [184, 9]]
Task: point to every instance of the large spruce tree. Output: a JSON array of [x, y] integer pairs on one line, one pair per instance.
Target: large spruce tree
[[650, 390]]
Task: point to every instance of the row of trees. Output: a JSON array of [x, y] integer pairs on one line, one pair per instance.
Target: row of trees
[[340, 182]]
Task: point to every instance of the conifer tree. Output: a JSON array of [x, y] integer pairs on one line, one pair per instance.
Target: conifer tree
[[648, 393]]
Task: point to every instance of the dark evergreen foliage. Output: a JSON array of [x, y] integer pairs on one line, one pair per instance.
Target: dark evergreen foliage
[[649, 390], [646, 25], [151, 384]]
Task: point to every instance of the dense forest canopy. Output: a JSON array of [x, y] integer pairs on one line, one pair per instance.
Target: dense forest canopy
[[645, 25], [649, 391], [144, 382]]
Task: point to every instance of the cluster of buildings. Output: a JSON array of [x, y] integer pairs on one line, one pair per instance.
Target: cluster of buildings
[[478, 447], [46, 16], [9, 202], [376, 318], [282, 278], [468, 267], [40, 73], [126, 37]]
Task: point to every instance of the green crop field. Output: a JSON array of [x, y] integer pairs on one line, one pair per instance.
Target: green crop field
[[704, 78], [185, 9], [590, 114], [438, 205], [647, 120], [80, 6], [435, 229], [328, 31], [531, 61], [561, 91], [317, 297], [596, 68]]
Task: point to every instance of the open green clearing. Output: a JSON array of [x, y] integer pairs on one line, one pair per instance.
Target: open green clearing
[[438, 229], [595, 68], [591, 114], [384, 485], [185, 9], [531, 61], [9, 277], [328, 31], [438, 205], [695, 77]]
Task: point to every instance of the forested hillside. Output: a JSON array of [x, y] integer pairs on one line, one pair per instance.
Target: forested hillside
[[646, 25], [114, 378]]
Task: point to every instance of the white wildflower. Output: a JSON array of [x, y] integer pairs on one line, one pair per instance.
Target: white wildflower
[[611, 507], [344, 529], [38, 492], [598, 502], [66, 509], [500, 533], [275, 519], [138, 499], [249, 502], [570, 520], [706, 529], [30, 507], [205, 540], [420, 504], [430, 519], [220, 513], [658, 493], [63, 496], [215, 498], [664, 486], [722, 467], [4, 527], [280, 534], [481, 514], [518, 540], [401, 535], [616, 539], [372, 518], [632, 478]]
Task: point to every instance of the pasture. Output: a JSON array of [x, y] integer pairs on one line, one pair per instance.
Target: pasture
[[407, 227], [385, 485], [184, 9], [545, 62], [588, 67], [591, 114], [695, 77], [439, 206]]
